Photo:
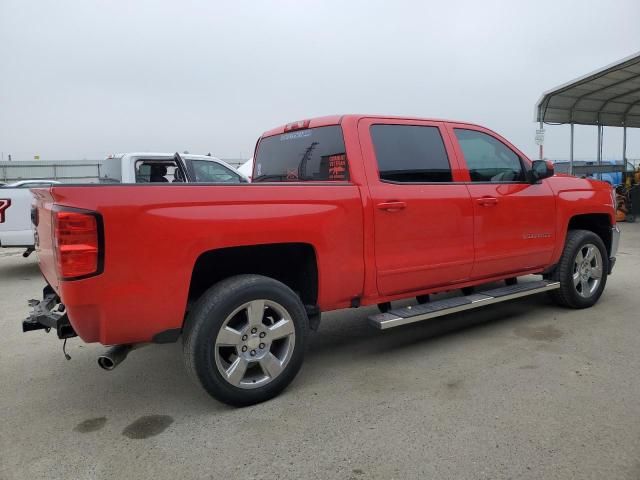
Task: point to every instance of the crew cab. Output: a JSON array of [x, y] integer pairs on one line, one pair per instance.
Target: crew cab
[[16, 230], [146, 167], [343, 212]]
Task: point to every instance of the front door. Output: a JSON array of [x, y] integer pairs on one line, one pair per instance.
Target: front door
[[514, 219], [423, 220]]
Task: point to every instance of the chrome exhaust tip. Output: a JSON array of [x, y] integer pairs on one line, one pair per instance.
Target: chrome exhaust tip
[[113, 357]]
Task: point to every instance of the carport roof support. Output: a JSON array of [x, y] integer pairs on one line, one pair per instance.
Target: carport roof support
[[608, 97]]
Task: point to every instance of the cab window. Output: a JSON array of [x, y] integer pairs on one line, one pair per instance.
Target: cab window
[[157, 171], [488, 159], [410, 154], [212, 172]]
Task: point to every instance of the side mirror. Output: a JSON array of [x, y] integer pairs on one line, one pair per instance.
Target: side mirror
[[540, 169]]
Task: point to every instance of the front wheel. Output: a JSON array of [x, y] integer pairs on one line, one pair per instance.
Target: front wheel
[[244, 340], [582, 270]]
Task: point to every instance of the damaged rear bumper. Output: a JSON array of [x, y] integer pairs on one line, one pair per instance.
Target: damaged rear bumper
[[48, 314]]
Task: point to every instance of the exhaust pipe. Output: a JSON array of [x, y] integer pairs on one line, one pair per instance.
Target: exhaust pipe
[[112, 357]]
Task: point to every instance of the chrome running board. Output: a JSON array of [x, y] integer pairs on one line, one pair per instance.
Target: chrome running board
[[438, 308]]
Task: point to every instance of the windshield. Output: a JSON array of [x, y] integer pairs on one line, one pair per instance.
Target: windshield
[[314, 154], [207, 171]]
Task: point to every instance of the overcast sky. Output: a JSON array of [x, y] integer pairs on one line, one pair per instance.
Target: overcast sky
[[85, 78]]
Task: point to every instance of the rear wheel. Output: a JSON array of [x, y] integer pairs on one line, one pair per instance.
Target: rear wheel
[[582, 270], [245, 338]]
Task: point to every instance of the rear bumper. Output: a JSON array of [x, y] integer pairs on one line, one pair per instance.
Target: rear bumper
[[615, 242], [84, 316]]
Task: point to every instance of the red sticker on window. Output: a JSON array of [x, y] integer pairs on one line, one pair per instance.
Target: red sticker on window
[[338, 167]]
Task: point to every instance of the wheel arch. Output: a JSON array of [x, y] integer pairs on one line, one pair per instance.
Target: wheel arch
[[598, 223], [294, 264]]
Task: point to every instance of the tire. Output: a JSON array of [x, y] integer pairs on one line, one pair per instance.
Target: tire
[[578, 293], [239, 356]]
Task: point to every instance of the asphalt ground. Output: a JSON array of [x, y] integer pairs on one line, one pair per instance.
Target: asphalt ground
[[522, 390]]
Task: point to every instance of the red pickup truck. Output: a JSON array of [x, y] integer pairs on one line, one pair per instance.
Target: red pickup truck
[[343, 211]]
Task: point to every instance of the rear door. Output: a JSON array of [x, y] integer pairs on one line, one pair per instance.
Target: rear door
[[514, 219], [423, 219]]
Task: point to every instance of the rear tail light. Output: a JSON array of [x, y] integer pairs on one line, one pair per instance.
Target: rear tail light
[[4, 204], [78, 243]]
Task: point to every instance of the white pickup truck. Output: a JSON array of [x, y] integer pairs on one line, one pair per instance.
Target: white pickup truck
[[15, 199], [167, 167], [15, 219]]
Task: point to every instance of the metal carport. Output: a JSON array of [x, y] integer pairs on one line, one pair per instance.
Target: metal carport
[[608, 97]]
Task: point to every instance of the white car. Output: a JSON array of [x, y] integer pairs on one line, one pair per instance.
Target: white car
[[15, 214], [167, 168]]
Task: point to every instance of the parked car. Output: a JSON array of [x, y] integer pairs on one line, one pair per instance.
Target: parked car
[[343, 211], [16, 230], [167, 168]]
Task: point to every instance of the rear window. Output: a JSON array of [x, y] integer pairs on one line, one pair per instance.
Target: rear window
[[314, 154], [110, 171]]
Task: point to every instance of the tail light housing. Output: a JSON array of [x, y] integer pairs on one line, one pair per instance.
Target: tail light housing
[[78, 241], [4, 204]]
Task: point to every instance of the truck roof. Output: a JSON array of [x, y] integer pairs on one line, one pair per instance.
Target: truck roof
[[162, 155], [337, 119]]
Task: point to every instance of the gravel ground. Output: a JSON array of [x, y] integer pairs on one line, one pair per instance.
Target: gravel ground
[[522, 390]]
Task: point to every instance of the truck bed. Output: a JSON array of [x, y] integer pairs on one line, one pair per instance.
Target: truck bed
[[154, 234]]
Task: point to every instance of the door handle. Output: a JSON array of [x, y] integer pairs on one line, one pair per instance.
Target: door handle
[[392, 206], [487, 201]]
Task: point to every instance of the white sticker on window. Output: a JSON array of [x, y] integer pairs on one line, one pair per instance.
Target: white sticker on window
[[294, 135]]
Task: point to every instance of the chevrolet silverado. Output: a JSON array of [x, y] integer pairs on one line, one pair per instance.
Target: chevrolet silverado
[[343, 211]]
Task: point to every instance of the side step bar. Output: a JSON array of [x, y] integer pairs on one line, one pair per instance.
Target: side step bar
[[417, 313]]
